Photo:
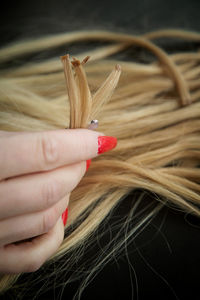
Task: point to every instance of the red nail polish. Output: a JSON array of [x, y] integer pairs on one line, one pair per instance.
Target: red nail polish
[[88, 162], [106, 143], [64, 216]]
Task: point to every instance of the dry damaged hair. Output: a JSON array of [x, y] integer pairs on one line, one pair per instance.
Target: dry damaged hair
[[154, 113]]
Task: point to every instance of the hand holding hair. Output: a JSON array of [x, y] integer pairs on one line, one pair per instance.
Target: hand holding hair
[[38, 172], [154, 114]]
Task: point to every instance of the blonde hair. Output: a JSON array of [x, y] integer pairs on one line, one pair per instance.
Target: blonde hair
[[154, 113]]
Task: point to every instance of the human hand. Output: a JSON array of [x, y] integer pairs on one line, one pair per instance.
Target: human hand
[[38, 170]]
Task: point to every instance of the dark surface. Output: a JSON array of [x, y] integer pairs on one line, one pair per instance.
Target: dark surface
[[163, 262], [160, 263], [32, 18]]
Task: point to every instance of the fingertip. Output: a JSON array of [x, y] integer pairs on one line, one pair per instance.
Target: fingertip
[[65, 216], [88, 162]]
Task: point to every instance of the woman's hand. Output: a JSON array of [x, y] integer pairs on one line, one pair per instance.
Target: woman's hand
[[37, 173]]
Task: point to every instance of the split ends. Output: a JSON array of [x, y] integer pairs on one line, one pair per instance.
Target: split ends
[[83, 105]]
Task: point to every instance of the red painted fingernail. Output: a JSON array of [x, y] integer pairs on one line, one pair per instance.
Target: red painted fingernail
[[106, 143], [64, 216], [88, 162]]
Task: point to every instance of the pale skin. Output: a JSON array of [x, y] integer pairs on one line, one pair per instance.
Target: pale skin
[[38, 171]]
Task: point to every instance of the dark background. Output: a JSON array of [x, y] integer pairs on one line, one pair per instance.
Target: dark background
[[23, 18], [166, 256]]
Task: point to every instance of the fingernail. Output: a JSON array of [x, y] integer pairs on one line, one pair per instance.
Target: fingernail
[[106, 143], [88, 162], [64, 216]]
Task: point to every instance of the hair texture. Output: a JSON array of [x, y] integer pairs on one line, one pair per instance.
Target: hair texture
[[154, 113]]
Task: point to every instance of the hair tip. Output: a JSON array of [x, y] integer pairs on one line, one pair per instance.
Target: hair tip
[[118, 67], [85, 60], [75, 62], [64, 57]]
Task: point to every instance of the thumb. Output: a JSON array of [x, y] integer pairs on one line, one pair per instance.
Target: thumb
[[88, 144]]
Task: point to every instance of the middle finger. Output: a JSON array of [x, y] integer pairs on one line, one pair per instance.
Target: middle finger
[[34, 192], [30, 225]]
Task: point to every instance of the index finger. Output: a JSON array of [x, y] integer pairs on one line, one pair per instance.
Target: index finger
[[40, 151]]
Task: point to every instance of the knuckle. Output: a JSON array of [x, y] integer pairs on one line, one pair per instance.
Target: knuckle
[[49, 149], [49, 219], [50, 193]]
